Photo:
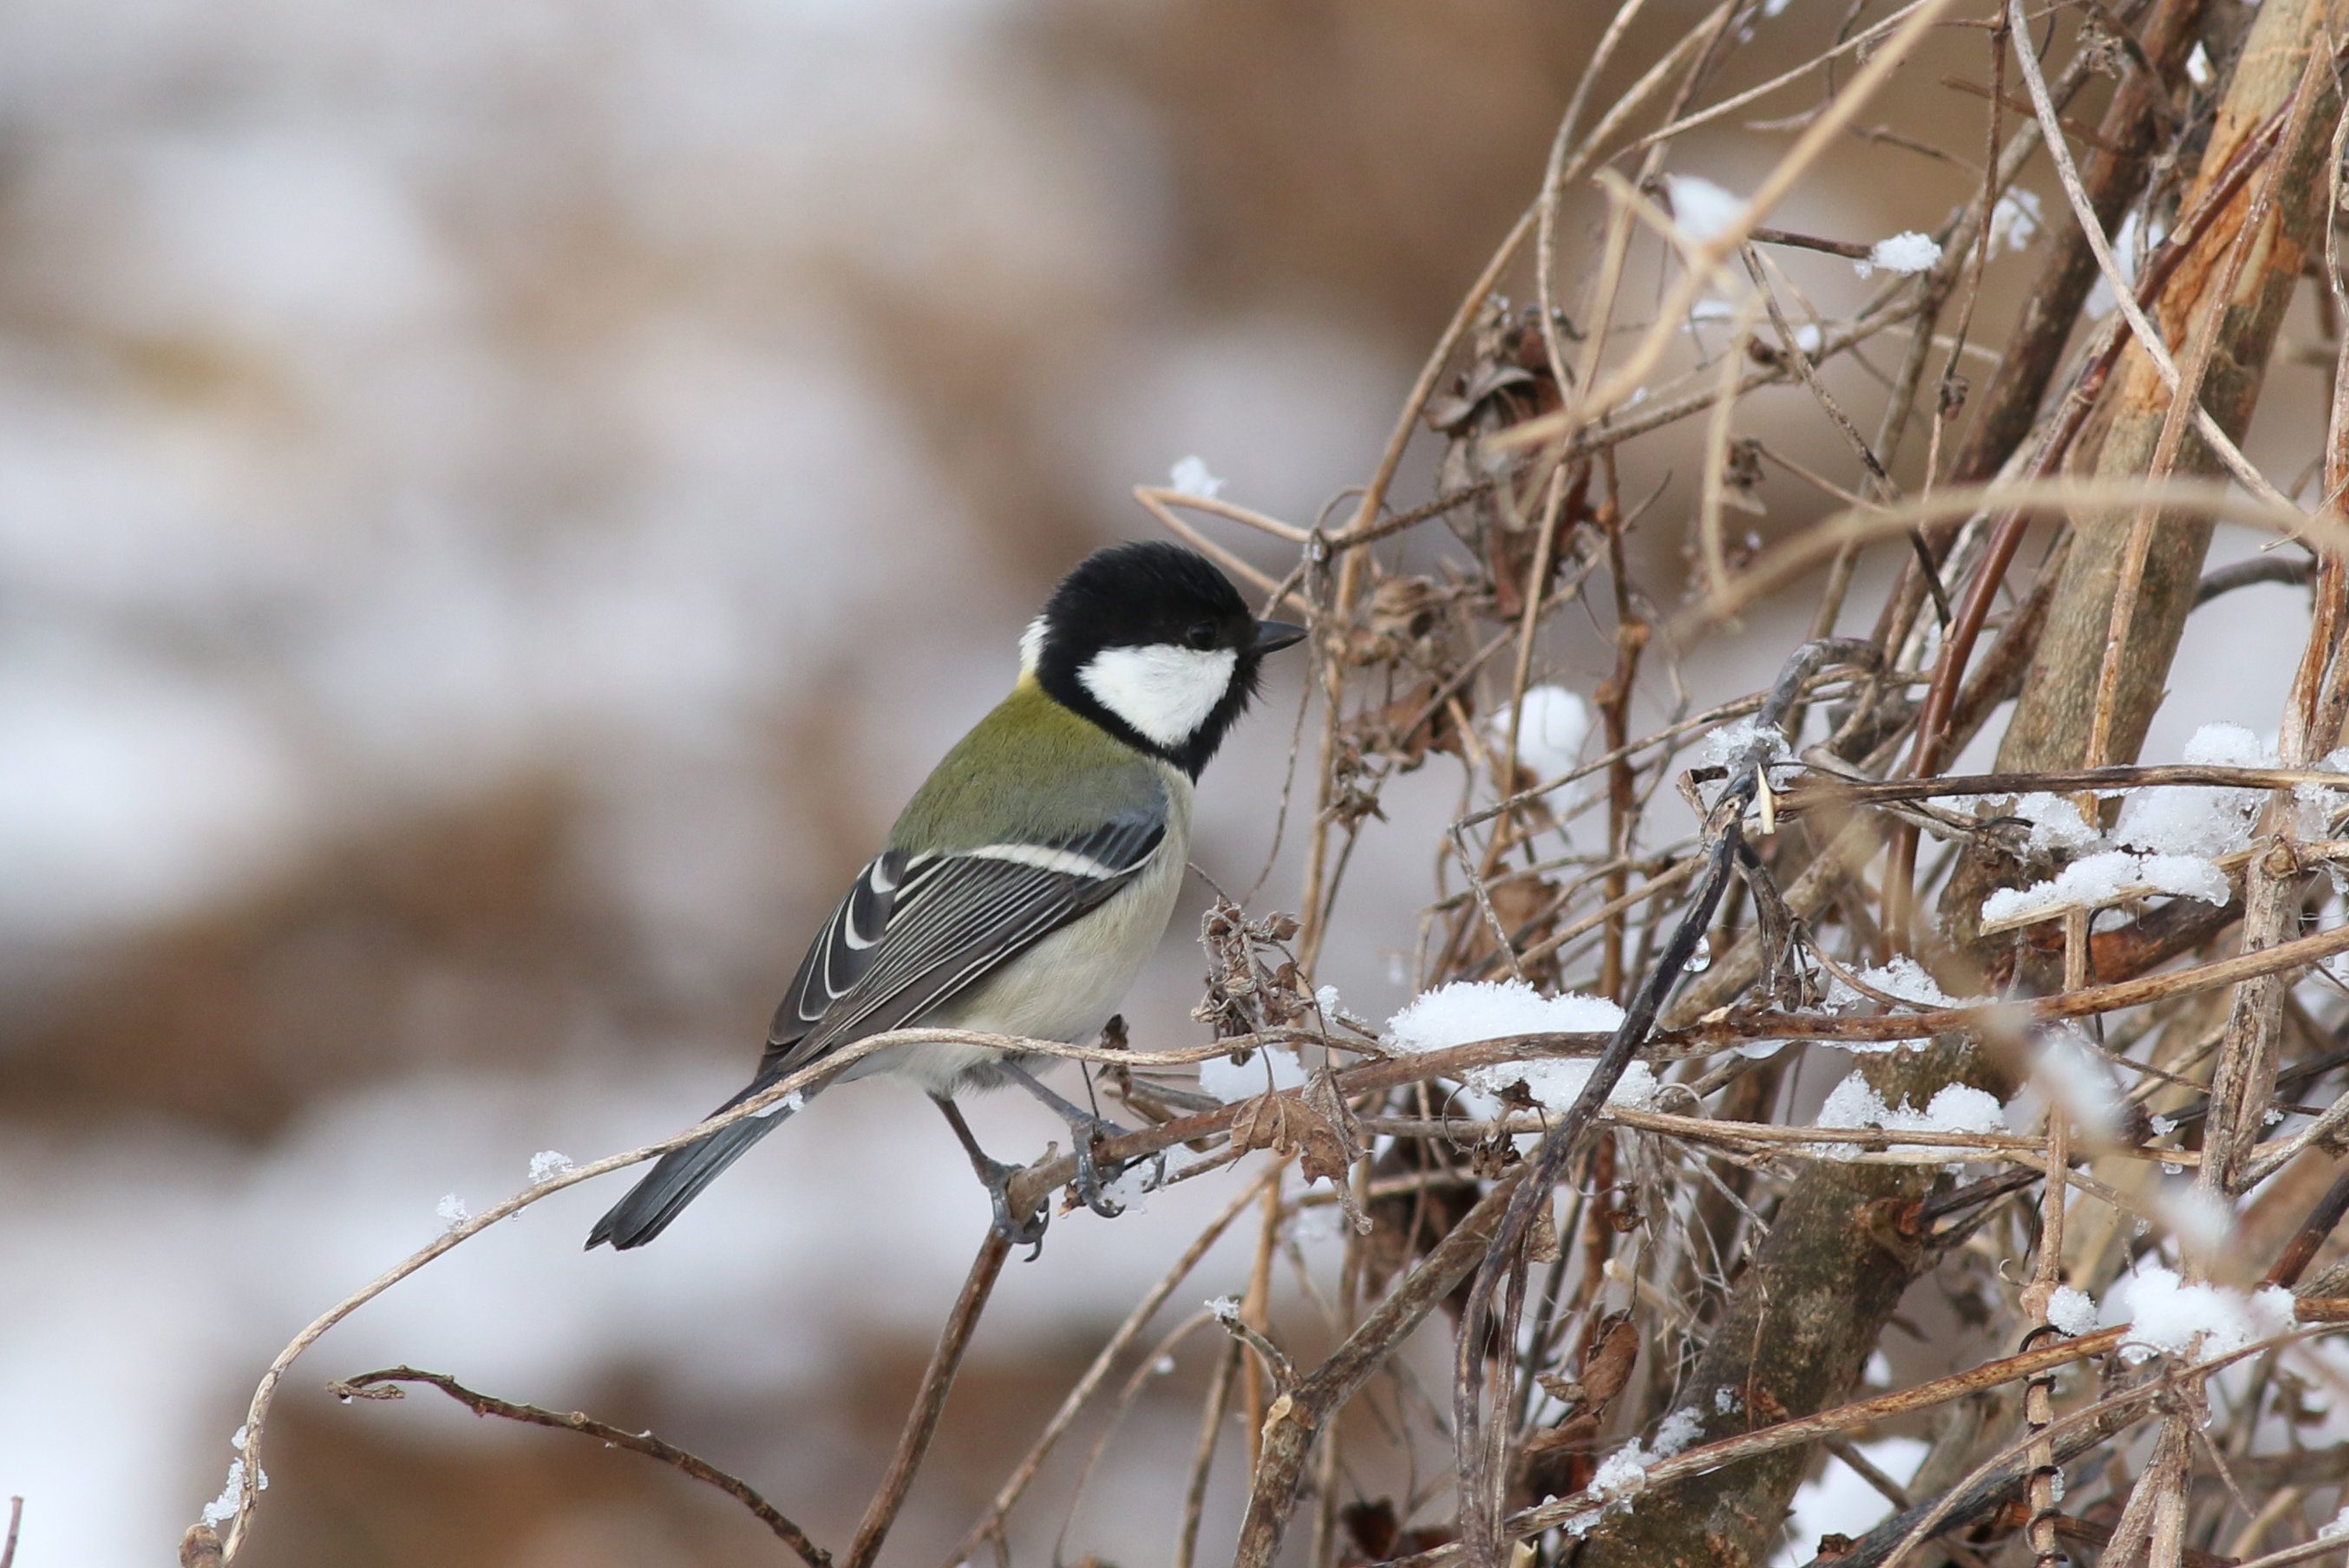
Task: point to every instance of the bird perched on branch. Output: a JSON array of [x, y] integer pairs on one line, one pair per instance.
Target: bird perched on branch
[[1030, 877]]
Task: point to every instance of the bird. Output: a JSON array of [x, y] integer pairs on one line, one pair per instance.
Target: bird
[[1030, 877]]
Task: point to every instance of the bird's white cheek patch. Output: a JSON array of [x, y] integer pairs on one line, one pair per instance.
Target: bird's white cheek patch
[[1164, 691]]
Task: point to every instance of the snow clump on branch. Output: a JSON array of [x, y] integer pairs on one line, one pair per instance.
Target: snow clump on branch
[[1956, 1107], [1552, 724], [1623, 1474], [1191, 477], [1702, 210], [1232, 1081], [2166, 1317], [1905, 254], [1470, 1010]]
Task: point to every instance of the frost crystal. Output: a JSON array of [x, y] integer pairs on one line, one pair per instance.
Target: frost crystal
[[547, 1164], [1726, 747], [2073, 1311], [1130, 1191], [2340, 1525], [222, 1509], [1904, 253], [1225, 1308], [452, 1211], [1232, 1081], [1191, 477], [1702, 210], [1677, 1431]]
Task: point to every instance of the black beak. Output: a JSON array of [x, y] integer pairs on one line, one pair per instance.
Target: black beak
[[1271, 637]]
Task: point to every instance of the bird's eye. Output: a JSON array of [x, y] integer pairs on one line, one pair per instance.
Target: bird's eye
[[1202, 637]]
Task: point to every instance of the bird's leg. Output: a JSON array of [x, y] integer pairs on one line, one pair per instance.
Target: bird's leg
[[1085, 1129], [996, 1177]]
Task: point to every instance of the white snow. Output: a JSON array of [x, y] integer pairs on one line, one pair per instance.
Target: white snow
[[1727, 745], [2199, 1220], [451, 1210], [1906, 252], [2107, 878], [2014, 223], [1903, 977], [790, 1104], [222, 1509], [1555, 1083], [1676, 1431], [547, 1164], [2196, 820], [1623, 1474], [1552, 724], [1224, 1308], [1191, 477], [2055, 822], [2073, 1311], [1232, 1081], [2081, 1078], [1472, 1010], [2166, 1317], [2188, 876], [2338, 1526], [1702, 210], [1130, 1191], [2197, 67], [1954, 1108]]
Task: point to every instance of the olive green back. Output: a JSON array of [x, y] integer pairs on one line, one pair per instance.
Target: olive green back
[[1030, 772]]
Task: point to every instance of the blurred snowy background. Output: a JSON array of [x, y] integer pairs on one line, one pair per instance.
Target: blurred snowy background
[[498, 503]]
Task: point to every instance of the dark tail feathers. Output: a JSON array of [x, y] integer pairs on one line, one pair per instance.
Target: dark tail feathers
[[679, 1176]]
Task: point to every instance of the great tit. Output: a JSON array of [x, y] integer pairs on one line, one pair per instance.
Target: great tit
[[1031, 875]]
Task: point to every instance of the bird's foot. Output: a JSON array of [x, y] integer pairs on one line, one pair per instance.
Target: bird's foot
[[1092, 1186], [1026, 1230]]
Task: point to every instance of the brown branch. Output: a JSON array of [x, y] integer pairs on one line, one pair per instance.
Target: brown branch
[[1298, 1416], [385, 1385], [2000, 1018], [929, 1401]]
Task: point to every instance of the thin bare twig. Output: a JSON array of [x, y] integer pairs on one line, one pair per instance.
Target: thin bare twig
[[385, 1385]]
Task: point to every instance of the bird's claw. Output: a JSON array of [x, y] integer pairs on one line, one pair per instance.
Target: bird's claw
[[998, 1178], [1090, 1188]]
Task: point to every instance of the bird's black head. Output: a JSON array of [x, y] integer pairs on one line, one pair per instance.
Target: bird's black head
[[1154, 645]]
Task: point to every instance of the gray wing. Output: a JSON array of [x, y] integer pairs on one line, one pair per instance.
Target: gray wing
[[917, 929]]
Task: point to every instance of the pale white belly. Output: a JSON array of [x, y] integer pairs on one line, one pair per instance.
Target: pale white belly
[[1067, 985]]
